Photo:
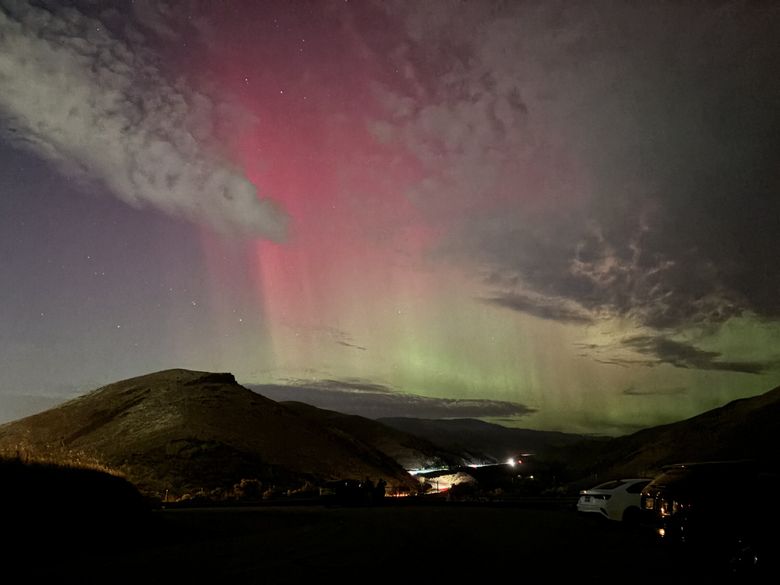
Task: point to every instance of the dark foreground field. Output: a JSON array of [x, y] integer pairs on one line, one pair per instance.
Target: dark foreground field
[[349, 545]]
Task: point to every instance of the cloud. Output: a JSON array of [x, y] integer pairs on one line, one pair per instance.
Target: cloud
[[378, 401], [663, 350], [621, 156], [352, 345], [155, 16], [327, 334], [352, 385], [338, 336], [101, 109], [541, 308], [674, 391]]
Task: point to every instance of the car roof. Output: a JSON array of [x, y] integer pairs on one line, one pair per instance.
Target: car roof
[[619, 482], [705, 464]]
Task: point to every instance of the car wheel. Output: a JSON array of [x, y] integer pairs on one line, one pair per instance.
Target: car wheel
[[631, 516]]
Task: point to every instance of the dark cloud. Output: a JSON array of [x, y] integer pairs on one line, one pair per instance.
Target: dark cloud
[[378, 401], [541, 308], [155, 16], [99, 107], [663, 350], [352, 345], [336, 335], [638, 179], [674, 391], [343, 385], [612, 362]]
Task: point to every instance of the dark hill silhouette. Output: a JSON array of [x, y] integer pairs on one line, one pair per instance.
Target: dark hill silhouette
[[52, 510], [477, 441], [748, 428], [181, 430], [411, 451]]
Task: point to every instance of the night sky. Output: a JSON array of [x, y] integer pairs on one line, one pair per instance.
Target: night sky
[[552, 214]]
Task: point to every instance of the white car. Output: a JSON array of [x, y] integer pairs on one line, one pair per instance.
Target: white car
[[616, 500]]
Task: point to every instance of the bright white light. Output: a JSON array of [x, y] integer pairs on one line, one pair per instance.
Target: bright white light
[[510, 461], [427, 470]]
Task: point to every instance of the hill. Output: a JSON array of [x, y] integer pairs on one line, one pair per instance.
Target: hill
[[477, 441], [53, 512], [180, 430], [748, 428], [411, 451]]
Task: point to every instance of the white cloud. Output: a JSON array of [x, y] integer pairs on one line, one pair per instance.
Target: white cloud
[[103, 111]]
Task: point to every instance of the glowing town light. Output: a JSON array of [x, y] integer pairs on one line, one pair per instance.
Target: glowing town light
[[425, 470], [510, 461]]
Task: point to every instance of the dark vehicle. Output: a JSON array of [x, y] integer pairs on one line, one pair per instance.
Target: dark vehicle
[[721, 511]]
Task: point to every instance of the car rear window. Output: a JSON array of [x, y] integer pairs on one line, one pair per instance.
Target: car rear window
[[610, 485], [637, 487]]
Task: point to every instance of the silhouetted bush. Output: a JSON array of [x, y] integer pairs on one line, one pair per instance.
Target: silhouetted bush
[[463, 491], [272, 493], [66, 502], [248, 489], [307, 490]]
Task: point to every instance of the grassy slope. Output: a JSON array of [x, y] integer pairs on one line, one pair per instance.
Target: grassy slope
[[743, 429], [182, 430], [410, 451]]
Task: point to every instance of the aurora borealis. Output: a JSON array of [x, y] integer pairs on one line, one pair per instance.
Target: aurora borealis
[[569, 207]]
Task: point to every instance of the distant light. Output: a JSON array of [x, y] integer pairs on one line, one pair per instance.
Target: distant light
[[661, 532], [425, 470], [531, 476], [510, 461]]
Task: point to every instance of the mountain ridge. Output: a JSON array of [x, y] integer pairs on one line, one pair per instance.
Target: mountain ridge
[[183, 430], [481, 441], [745, 428]]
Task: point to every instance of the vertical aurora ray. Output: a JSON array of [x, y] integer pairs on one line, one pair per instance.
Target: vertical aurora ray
[[344, 284]]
